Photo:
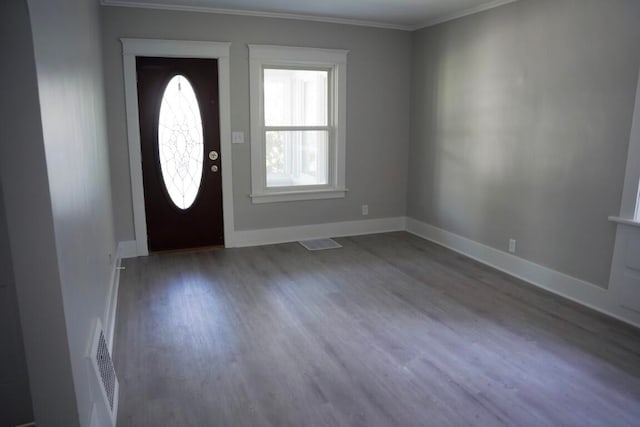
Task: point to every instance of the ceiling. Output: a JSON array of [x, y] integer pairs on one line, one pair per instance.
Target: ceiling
[[398, 14]]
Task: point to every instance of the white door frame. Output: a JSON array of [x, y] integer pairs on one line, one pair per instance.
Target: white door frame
[[175, 49]]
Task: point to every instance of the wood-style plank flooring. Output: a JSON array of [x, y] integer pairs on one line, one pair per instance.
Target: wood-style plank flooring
[[389, 330]]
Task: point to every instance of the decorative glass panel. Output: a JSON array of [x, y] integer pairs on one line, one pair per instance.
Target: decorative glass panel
[[295, 97], [297, 158], [180, 142]]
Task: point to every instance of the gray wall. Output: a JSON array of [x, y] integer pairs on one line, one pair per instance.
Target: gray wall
[[55, 177], [68, 54], [520, 127], [29, 219], [377, 110], [15, 399]]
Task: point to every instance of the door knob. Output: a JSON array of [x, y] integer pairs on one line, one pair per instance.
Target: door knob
[[213, 155]]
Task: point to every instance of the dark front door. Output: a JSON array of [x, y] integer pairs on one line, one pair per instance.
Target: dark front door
[[180, 143]]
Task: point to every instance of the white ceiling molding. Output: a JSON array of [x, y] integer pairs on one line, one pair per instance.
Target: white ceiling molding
[[256, 13], [150, 4], [462, 13]]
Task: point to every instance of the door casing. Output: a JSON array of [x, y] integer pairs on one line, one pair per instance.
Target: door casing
[[131, 48]]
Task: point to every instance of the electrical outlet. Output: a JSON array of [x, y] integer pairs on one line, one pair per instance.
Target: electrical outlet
[[365, 209], [512, 246]]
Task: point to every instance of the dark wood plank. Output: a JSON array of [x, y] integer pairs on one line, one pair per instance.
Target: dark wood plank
[[388, 330]]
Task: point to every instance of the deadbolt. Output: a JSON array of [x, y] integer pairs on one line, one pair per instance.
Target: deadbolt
[[214, 168], [213, 155]]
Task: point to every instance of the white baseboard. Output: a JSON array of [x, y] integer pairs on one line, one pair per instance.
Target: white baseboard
[[270, 236], [124, 251], [569, 287]]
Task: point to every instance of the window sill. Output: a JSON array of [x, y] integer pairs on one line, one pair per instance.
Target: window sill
[[625, 221], [292, 196]]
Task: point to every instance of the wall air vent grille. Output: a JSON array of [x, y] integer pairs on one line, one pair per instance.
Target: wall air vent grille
[[320, 244], [106, 381], [106, 370]]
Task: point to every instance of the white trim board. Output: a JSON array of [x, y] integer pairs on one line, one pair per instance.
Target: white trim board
[[256, 13], [270, 236], [128, 249], [109, 317], [579, 291], [303, 17], [175, 49], [574, 289], [334, 62], [466, 12], [630, 204]]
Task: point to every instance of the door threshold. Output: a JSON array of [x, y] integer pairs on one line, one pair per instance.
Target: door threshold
[[187, 250]]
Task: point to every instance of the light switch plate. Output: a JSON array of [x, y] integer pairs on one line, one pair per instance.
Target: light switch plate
[[237, 137]]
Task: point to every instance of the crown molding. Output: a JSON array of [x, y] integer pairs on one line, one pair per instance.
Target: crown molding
[[302, 17], [462, 13], [255, 13]]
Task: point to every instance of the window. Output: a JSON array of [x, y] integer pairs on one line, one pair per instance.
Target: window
[[298, 129]]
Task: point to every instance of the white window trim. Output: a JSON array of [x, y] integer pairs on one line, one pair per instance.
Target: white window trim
[[637, 213], [630, 205], [268, 55]]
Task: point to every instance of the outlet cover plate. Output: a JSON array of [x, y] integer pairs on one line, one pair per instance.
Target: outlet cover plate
[[237, 137]]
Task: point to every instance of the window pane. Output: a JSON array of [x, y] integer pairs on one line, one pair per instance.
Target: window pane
[[297, 158], [180, 142], [295, 97]]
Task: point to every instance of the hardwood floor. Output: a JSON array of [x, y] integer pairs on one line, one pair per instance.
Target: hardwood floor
[[389, 330]]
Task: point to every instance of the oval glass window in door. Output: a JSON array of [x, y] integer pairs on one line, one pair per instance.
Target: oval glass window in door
[[180, 142]]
